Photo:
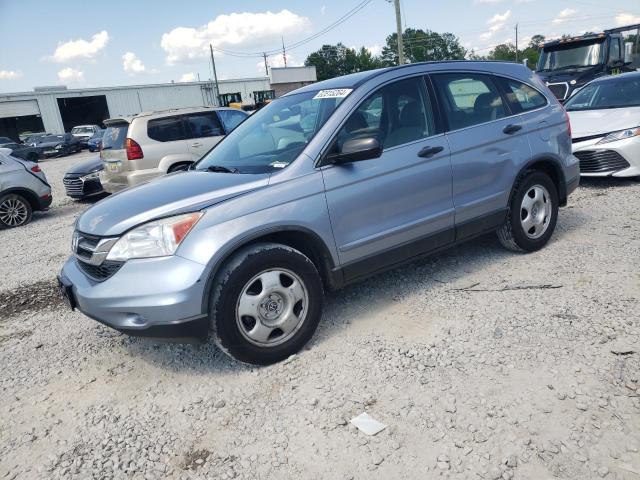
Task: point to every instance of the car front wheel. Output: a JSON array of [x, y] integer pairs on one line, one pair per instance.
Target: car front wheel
[[533, 214], [15, 211], [266, 303]]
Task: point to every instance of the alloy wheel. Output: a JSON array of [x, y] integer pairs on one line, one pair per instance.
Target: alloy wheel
[[535, 211], [13, 212]]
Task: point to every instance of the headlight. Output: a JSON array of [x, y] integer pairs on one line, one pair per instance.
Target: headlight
[[159, 238], [58, 147], [621, 135], [91, 176]]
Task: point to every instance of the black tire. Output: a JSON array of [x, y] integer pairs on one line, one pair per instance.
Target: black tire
[[13, 200], [233, 279], [179, 167], [512, 233]]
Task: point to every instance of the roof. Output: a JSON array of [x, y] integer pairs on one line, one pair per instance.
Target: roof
[[170, 111], [616, 78], [579, 38]]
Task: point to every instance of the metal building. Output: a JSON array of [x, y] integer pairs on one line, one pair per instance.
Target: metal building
[[58, 109]]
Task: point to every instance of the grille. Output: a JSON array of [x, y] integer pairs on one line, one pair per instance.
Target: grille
[[73, 186], [599, 161], [559, 90], [100, 272]]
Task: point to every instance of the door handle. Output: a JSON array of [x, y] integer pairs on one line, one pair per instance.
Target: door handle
[[429, 151], [512, 128]]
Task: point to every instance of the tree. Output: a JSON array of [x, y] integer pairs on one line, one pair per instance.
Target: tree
[[422, 46], [507, 52], [336, 60]]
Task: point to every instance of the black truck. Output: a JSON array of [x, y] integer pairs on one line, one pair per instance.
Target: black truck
[[569, 63]]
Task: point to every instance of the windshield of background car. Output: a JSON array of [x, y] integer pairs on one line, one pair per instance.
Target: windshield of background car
[[617, 92], [114, 136], [77, 130], [571, 55], [52, 138], [275, 135]]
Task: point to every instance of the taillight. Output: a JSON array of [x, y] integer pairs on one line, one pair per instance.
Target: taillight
[[134, 151], [36, 169]]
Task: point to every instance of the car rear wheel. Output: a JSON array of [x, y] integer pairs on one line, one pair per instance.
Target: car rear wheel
[[533, 214], [266, 303], [15, 211]]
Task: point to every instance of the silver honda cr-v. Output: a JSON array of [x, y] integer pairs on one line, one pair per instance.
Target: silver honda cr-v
[[322, 187]]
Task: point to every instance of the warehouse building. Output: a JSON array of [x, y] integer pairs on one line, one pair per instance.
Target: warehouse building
[[58, 109]]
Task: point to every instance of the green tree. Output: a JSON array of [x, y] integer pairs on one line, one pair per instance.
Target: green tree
[[336, 60], [422, 46]]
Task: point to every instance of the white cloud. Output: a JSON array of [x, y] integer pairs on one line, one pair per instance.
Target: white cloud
[[81, 49], [496, 24], [132, 64], [188, 77], [10, 75], [71, 75], [563, 16], [375, 50], [323, 9], [239, 30], [626, 19]]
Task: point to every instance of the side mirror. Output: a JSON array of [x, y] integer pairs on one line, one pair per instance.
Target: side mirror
[[356, 150]]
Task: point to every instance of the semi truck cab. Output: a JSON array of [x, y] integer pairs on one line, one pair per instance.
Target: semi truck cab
[[567, 64]]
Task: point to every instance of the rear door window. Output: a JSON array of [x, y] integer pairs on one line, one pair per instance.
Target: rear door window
[[469, 99], [114, 137], [205, 124], [167, 129], [231, 118], [521, 97]]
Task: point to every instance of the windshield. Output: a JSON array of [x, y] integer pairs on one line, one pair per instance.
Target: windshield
[[274, 136], [616, 92], [51, 138], [571, 55], [75, 130]]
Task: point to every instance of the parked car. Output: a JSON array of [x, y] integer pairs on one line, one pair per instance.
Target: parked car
[[95, 143], [139, 148], [34, 138], [5, 140], [25, 151], [58, 145], [83, 179], [605, 119], [84, 132], [23, 189], [328, 184]]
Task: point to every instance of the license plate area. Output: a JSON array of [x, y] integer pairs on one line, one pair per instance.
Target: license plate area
[[114, 167]]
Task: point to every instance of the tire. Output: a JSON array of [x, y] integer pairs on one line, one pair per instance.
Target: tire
[[15, 211], [246, 314], [539, 212], [179, 167]]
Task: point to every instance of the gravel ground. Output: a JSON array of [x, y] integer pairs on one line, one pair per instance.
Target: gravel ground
[[484, 364]]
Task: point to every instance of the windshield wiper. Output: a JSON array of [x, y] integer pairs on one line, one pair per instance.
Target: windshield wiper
[[221, 169]]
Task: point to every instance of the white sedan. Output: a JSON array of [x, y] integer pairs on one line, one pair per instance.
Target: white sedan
[[605, 121]]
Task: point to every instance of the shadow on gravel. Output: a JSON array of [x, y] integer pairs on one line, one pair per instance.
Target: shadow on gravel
[[37, 296], [599, 183]]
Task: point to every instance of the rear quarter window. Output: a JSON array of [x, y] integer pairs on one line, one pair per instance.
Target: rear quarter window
[[168, 129], [521, 97]]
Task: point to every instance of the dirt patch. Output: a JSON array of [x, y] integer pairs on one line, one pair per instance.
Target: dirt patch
[[28, 298], [15, 335], [195, 459]]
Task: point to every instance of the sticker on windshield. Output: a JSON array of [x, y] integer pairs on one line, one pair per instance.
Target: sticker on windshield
[[279, 164], [333, 93]]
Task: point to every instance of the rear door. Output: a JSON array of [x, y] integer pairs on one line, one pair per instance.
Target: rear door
[[487, 146], [390, 208], [204, 130]]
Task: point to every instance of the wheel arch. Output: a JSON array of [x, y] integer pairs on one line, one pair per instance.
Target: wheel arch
[[29, 195], [551, 167], [301, 238]]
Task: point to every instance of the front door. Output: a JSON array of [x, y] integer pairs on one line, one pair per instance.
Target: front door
[[394, 207]]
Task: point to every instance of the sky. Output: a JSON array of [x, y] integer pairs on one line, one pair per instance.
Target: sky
[[83, 44]]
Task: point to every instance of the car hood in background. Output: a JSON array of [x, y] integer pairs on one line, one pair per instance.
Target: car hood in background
[[50, 144], [592, 122], [92, 165], [169, 195]]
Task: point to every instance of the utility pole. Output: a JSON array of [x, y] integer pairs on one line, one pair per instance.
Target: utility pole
[[266, 66], [216, 92], [399, 29], [284, 53], [516, 42]]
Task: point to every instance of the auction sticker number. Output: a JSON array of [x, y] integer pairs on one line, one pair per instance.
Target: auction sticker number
[[333, 93]]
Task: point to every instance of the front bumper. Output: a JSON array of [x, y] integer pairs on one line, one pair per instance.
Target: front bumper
[[115, 182], [613, 159], [77, 187], [154, 297]]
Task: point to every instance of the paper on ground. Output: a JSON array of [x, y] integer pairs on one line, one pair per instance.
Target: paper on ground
[[367, 424]]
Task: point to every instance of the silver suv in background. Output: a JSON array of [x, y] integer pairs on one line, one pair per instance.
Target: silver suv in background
[[322, 187], [145, 146], [23, 189]]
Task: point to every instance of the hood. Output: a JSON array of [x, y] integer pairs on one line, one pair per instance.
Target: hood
[[50, 144], [580, 75], [89, 166], [169, 195], [591, 122]]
